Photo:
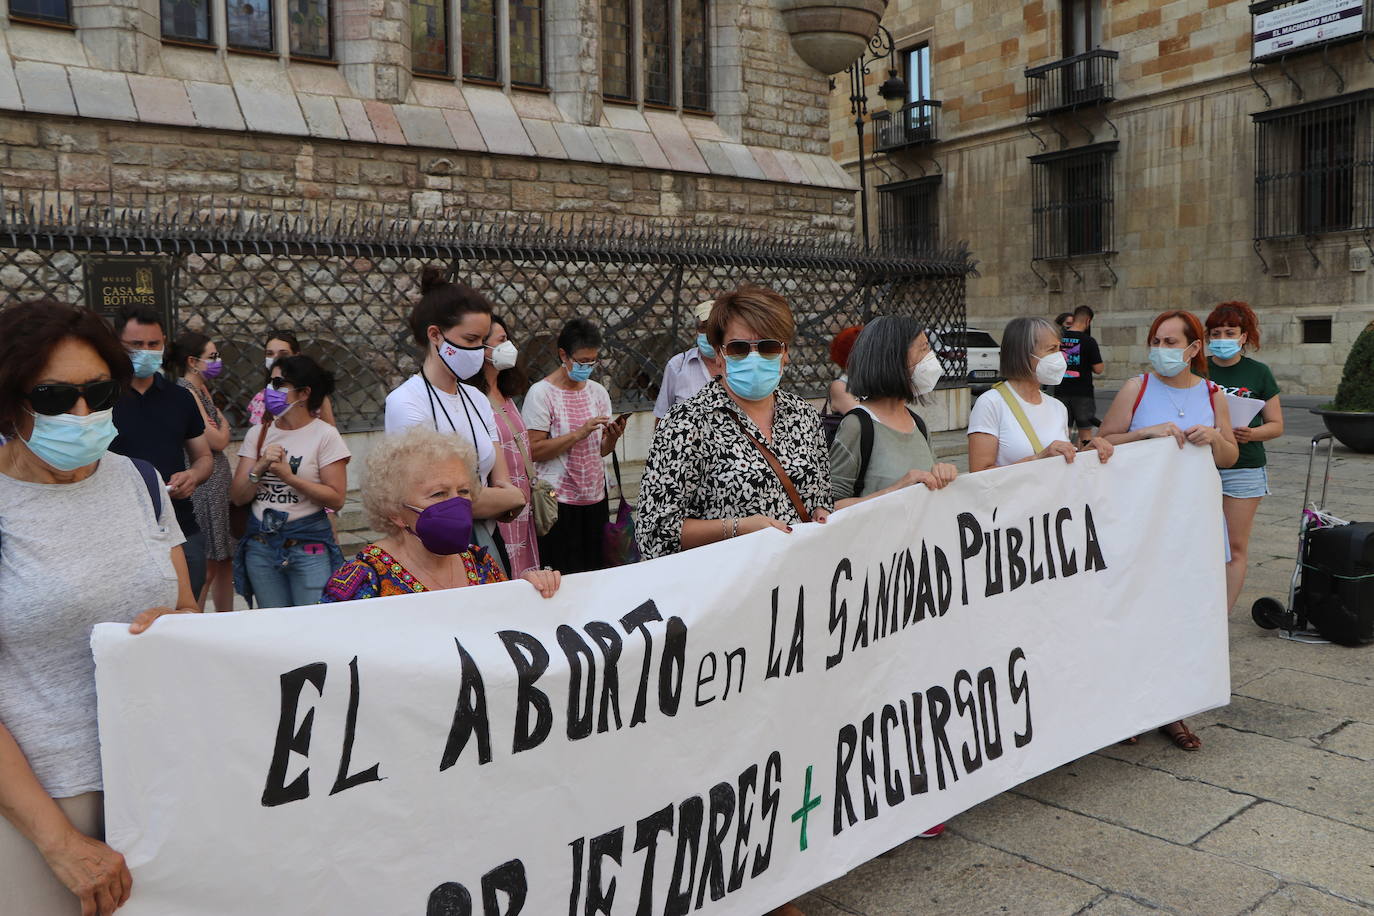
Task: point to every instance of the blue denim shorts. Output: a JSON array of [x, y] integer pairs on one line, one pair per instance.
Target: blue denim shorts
[[1245, 483]]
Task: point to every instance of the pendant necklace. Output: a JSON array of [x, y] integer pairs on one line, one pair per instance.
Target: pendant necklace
[[1170, 396]]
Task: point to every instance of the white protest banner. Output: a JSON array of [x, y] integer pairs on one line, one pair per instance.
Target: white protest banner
[[717, 731]]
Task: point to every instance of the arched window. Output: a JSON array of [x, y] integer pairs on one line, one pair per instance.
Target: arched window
[[657, 52]]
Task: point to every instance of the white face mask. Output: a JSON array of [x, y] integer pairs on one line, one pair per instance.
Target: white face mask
[[503, 355], [269, 361], [463, 362], [926, 374], [1050, 370]]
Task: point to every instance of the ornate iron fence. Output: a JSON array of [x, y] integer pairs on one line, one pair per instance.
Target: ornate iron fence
[[344, 280]]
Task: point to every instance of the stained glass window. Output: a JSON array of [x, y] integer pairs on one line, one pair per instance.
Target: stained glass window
[[658, 51], [696, 56], [617, 64], [479, 39], [183, 20], [309, 27], [527, 42], [43, 10], [429, 36], [249, 24]]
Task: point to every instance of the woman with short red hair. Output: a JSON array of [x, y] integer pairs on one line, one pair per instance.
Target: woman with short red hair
[[1174, 399], [838, 400], [1231, 328]]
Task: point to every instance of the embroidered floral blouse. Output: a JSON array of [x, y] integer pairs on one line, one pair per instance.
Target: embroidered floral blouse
[[374, 573], [701, 466]]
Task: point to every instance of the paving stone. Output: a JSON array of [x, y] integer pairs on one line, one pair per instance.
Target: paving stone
[[953, 876], [1116, 905], [577, 142], [44, 87], [814, 904], [102, 94], [215, 105], [676, 142], [464, 129], [1302, 847], [356, 121], [1147, 800], [1316, 692], [744, 164], [425, 127], [437, 94], [322, 116], [1353, 740], [535, 105], [498, 122], [271, 112], [1296, 900], [649, 150], [1141, 867], [1273, 719], [625, 118], [1302, 777], [545, 139], [384, 123], [1263, 648]]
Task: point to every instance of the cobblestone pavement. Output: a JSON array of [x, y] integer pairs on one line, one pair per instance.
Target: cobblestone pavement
[[1273, 817]]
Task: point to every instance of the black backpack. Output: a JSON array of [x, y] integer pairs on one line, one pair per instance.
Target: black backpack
[[866, 441], [152, 481]]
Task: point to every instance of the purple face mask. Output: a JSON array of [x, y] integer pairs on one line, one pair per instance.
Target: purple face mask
[[445, 528], [212, 368], [274, 401]]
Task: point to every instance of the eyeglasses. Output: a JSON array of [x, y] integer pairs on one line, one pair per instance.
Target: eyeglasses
[[51, 400], [767, 348], [278, 383]]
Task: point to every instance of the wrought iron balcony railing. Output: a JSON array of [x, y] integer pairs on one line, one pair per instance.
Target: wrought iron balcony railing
[[915, 124], [1074, 82]]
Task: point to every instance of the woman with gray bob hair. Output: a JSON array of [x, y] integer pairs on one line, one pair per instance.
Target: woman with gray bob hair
[[1015, 421], [882, 446], [419, 492]]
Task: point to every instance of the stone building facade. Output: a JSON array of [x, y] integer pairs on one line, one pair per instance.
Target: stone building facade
[[1139, 155], [132, 96]]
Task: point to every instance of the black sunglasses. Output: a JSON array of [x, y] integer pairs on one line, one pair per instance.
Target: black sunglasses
[[768, 348], [60, 398], [278, 383]]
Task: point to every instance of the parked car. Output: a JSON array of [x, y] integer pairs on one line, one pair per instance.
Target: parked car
[[979, 349]]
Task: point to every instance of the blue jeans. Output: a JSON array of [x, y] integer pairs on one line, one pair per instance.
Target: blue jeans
[[299, 581]]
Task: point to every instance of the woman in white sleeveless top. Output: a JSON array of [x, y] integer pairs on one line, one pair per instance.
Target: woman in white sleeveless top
[[1175, 399]]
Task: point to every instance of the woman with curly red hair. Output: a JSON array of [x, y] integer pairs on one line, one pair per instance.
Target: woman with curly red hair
[[838, 400], [1231, 329]]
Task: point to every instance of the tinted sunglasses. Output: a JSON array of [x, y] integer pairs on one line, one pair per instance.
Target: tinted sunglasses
[[767, 348], [51, 400], [278, 383]]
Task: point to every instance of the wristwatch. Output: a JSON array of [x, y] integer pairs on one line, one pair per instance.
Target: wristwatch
[[253, 477]]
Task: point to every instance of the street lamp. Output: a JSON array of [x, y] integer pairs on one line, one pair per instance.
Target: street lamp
[[893, 92]]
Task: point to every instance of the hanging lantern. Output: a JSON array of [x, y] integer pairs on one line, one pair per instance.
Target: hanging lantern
[[831, 34]]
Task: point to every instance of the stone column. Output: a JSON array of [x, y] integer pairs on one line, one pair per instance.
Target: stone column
[[728, 97], [373, 47], [574, 57], [119, 34]]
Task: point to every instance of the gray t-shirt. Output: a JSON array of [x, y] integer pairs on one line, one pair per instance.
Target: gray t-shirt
[[71, 556], [894, 453]]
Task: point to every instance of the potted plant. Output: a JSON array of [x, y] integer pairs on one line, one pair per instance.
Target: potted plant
[[1350, 418]]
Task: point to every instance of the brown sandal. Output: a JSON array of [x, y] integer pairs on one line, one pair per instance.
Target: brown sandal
[[1127, 742], [1179, 733]]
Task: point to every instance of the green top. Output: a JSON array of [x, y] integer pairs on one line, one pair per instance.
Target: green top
[[893, 455], [1248, 378]]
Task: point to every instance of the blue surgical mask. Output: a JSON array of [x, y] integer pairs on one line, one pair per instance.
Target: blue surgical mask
[[68, 441], [580, 372], [1168, 361], [753, 378], [146, 362], [1224, 347], [705, 347]]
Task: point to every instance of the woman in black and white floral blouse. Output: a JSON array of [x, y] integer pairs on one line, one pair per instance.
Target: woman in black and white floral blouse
[[705, 480]]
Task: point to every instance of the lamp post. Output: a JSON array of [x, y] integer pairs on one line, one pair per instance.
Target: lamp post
[[893, 92]]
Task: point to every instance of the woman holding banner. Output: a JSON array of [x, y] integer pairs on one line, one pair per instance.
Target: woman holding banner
[[740, 456], [419, 491], [882, 446], [1175, 399], [1015, 421], [85, 536]]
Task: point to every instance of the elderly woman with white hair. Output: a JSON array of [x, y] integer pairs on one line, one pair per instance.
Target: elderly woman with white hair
[[419, 492], [1015, 421]]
